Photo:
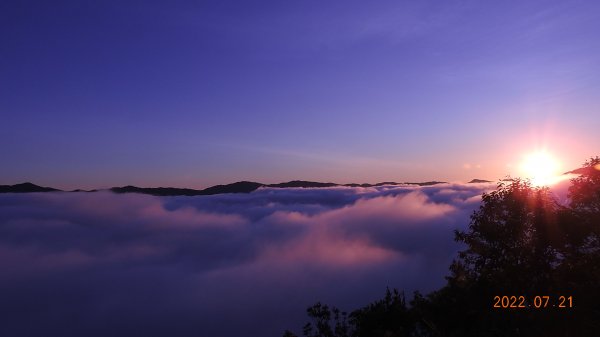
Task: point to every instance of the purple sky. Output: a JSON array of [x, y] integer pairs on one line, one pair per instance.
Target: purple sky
[[196, 93]]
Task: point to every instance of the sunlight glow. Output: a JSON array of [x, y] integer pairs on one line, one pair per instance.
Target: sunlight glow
[[542, 168]]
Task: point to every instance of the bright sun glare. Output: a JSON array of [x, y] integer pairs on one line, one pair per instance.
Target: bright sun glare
[[542, 168]]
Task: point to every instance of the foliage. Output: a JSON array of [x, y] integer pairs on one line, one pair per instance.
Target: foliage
[[387, 317], [321, 326], [519, 242], [509, 239]]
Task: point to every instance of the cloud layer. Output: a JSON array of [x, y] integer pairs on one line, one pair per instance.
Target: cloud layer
[[99, 264]]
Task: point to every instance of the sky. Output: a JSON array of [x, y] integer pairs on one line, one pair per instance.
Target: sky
[[95, 94]]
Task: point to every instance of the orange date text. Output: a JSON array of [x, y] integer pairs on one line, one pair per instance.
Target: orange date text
[[535, 302]]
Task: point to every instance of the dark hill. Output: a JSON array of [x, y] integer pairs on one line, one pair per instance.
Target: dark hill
[[302, 183], [474, 181], [159, 191], [387, 183], [393, 183], [427, 183], [25, 188], [358, 185], [239, 187]]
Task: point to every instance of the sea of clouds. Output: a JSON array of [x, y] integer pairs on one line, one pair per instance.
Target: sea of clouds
[[104, 264]]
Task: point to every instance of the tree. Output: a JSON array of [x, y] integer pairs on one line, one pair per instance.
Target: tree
[[511, 250], [322, 320], [388, 317], [510, 240], [579, 272], [520, 242], [584, 193]]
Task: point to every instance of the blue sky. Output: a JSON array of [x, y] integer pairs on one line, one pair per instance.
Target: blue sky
[[182, 93]]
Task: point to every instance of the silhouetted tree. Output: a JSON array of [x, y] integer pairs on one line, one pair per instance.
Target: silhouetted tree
[[322, 320], [579, 273], [519, 242], [388, 317], [522, 242], [508, 240]]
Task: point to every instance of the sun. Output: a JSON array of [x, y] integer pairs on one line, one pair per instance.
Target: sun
[[541, 168]]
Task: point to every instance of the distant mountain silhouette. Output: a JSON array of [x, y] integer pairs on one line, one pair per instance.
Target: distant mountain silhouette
[[237, 187], [313, 184], [474, 181], [159, 191], [303, 184], [393, 183], [387, 183], [25, 188], [428, 183], [358, 185]]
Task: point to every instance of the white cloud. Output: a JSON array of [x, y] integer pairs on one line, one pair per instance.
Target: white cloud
[[190, 255]]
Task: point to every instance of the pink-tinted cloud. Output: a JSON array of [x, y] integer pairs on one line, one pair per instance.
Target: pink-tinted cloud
[[218, 265]]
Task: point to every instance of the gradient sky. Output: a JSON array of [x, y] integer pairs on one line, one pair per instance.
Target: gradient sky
[[196, 93]]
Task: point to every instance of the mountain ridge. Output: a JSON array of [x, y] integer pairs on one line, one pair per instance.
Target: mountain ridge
[[26, 187], [237, 187]]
